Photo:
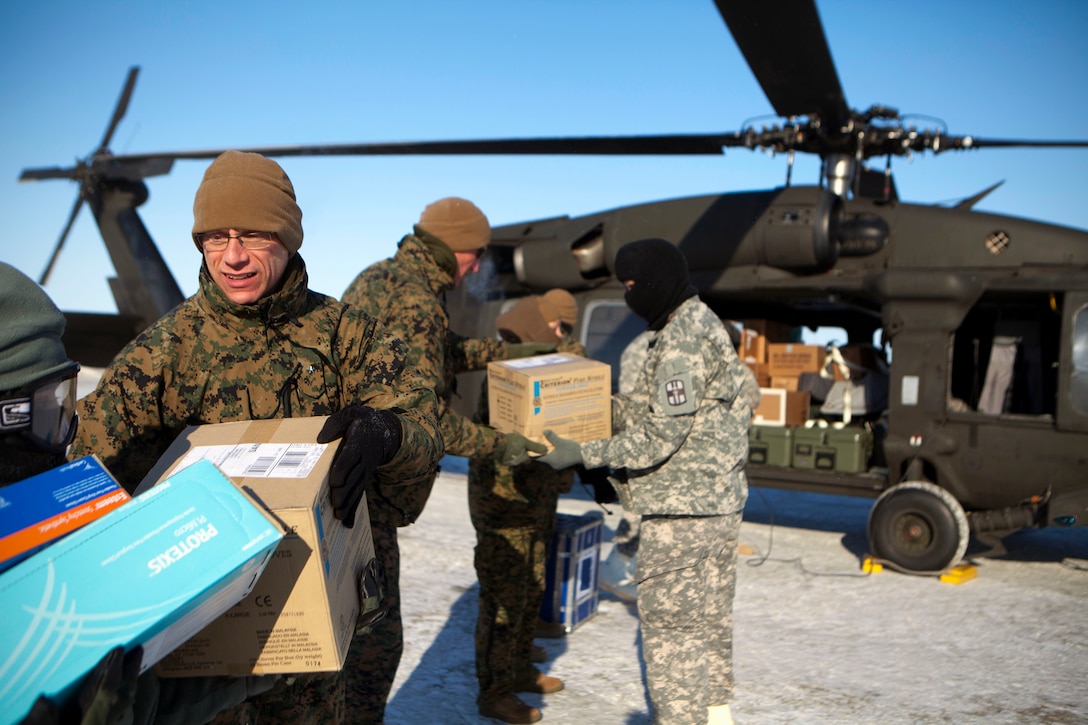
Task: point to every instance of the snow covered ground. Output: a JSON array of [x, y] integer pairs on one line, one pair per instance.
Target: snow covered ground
[[817, 641]]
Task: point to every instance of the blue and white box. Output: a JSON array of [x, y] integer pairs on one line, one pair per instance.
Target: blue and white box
[[571, 592], [152, 572]]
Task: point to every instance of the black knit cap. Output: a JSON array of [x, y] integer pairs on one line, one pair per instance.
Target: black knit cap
[[660, 273]]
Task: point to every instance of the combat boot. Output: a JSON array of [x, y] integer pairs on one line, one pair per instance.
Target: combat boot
[[537, 653], [510, 709], [536, 681], [549, 630]]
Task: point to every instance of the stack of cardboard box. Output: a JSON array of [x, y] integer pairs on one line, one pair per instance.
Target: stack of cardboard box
[[777, 364]]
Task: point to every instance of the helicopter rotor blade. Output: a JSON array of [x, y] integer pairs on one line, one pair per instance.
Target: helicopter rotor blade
[[970, 142], [122, 106], [787, 52], [52, 172], [63, 236], [679, 144]]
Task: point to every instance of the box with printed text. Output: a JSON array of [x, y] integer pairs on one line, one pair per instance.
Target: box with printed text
[[568, 394], [152, 573], [41, 509], [571, 592], [302, 613]]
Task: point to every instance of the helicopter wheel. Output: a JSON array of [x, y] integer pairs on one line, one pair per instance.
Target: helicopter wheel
[[919, 527]]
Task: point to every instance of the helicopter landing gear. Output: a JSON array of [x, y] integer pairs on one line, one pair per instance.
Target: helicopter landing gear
[[919, 527]]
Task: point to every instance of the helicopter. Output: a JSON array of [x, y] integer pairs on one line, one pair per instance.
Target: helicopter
[[940, 285]]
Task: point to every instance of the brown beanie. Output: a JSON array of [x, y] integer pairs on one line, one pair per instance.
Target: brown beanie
[[528, 320], [565, 304], [457, 222], [248, 192]]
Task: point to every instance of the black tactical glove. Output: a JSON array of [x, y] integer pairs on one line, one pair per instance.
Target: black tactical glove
[[528, 349], [370, 438], [513, 449], [372, 604], [603, 490]]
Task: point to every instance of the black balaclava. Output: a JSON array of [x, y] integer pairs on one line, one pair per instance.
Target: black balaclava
[[660, 274]]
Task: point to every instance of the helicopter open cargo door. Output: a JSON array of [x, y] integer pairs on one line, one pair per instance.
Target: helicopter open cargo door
[[1073, 383]]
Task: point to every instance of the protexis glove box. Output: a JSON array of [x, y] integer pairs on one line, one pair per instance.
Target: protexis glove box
[[152, 572]]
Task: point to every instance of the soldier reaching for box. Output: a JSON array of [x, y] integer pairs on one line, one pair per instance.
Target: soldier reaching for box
[[683, 439]]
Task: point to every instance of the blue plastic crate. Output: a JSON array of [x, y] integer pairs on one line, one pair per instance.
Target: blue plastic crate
[[571, 592]]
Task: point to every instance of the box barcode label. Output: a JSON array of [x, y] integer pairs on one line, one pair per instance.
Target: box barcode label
[[259, 460]]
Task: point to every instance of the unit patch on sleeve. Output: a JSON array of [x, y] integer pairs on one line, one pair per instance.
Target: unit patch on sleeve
[[675, 393]]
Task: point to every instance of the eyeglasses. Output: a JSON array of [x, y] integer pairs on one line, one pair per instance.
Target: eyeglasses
[[217, 241], [44, 411]]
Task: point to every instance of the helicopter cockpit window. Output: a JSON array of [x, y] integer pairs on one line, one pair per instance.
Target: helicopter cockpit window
[[1004, 357], [1079, 389]]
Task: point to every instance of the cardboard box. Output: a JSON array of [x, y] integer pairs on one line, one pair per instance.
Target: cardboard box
[[780, 407], [151, 572], [302, 613], [566, 393], [41, 509], [756, 335], [784, 382], [792, 359], [760, 370], [571, 592]]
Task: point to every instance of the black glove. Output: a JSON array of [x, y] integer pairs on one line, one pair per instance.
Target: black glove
[[372, 604], [513, 449], [515, 350], [603, 490], [370, 438]]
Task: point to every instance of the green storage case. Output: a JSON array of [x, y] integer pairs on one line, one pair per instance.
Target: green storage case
[[770, 445]]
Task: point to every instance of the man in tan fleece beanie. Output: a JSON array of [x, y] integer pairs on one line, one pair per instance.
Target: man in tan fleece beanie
[[247, 223]]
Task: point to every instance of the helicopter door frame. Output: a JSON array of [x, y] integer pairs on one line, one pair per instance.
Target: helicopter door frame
[[1073, 381]]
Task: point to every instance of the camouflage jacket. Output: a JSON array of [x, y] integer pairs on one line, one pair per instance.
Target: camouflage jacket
[[296, 353], [683, 427], [501, 497], [405, 294]]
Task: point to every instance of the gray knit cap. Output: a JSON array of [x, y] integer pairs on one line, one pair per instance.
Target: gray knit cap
[[30, 331]]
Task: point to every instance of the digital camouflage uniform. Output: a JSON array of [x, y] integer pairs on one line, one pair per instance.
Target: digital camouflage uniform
[[513, 512], [684, 444], [295, 353], [405, 294]]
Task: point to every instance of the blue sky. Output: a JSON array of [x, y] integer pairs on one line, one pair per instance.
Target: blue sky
[[236, 74]]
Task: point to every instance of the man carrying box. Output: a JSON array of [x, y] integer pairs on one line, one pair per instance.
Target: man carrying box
[[255, 343]]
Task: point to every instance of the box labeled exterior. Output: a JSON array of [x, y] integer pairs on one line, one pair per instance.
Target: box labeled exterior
[[571, 593], [152, 572], [792, 359], [770, 445], [302, 613], [41, 509], [780, 407], [568, 394]]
